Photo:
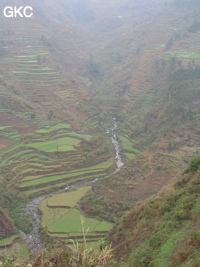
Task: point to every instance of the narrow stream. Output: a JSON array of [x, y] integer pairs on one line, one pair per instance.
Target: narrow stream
[[34, 239], [118, 159]]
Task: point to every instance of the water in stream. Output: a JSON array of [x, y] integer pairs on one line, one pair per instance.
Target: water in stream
[[34, 239], [118, 159]]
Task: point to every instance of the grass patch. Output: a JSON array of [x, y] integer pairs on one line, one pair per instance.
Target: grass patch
[[166, 250], [85, 136], [182, 54], [4, 127], [21, 72], [50, 215], [53, 128], [128, 145], [68, 199], [71, 222], [12, 135], [57, 145], [41, 179], [41, 81], [52, 178], [130, 155], [8, 241]]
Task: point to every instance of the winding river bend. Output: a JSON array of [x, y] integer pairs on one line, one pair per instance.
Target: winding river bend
[[33, 239]]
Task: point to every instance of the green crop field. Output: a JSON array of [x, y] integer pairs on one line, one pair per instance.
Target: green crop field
[[4, 127], [61, 144], [85, 136], [61, 184], [8, 241], [53, 128], [130, 155], [31, 180], [182, 54], [68, 199], [77, 235], [12, 135], [50, 215], [71, 222], [128, 145], [32, 166], [62, 222], [41, 180]]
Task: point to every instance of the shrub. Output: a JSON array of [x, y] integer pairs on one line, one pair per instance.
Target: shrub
[[195, 164]]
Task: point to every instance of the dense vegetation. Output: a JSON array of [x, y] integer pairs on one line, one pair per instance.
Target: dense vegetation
[[102, 208], [60, 255], [6, 228], [163, 230]]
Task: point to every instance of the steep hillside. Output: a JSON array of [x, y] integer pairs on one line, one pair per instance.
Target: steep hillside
[[163, 230], [65, 74], [30, 70], [95, 30], [129, 59], [49, 127], [49, 123], [6, 227], [158, 232], [155, 94]]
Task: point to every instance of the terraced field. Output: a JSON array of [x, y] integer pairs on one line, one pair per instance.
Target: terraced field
[[54, 156], [61, 144], [28, 69], [6, 242], [68, 199], [62, 220], [127, 148], [41, 115], [53, 128], [182, 54], [31, 71], [50, 157]]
